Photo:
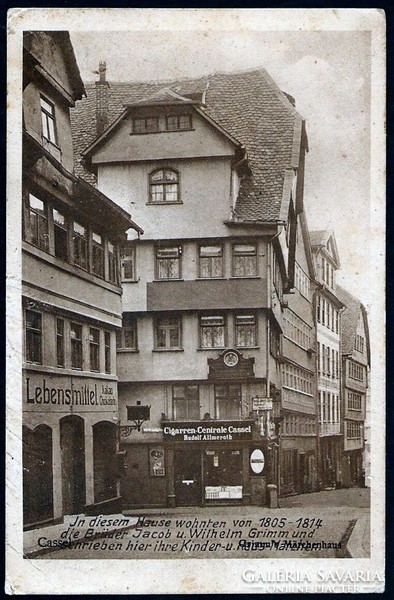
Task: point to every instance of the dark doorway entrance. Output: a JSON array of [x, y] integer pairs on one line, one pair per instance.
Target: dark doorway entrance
[[187, 474], [72, 444], [37, 475]]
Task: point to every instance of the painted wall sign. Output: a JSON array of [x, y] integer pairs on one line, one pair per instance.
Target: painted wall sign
[[257, 461], [207, 431], [45, 392]]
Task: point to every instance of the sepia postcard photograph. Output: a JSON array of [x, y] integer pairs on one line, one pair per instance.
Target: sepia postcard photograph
[[195, 301]]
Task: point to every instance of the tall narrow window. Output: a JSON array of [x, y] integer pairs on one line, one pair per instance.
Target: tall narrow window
[[167, 333], [228, 401], [245, 331], [60, 235], [60, 342], [94, 349], [33, 333], [48, 120], [185, 402], [128, 264], [107, 351], [76, 345], [318, 358], [212, 332], [80, 245], [126, 338], [244, 260], [112, 263], [318, 308], [97, 255], [37, 232], [333, 364], [211, 261], [164, 186], [168, 262]]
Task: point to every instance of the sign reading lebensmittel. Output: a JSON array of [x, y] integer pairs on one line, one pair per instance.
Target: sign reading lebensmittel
[[207, 431]]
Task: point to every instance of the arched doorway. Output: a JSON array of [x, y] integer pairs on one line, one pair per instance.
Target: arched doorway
[[37, 475], [104, 461], [72, 445]]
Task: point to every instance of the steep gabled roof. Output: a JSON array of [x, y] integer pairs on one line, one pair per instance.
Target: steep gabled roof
[[349, 320], [248, 106], [322, 239]]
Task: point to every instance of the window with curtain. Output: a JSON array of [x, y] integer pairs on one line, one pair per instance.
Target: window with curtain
[[168, 262], [212, 331], [211, 261], [244, 260], [245, 330], [76, 345]]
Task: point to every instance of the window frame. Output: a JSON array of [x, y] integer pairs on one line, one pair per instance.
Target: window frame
[[237, 325], [201, 326], [128, 252], [210, 269], [165, 183], [32, 335], [107, 352], [227, 397], [97, 251], [42, 238], [129, 323], [167, 328], [49, 117], [79, 239], [178, 258], [112, 258], [188, 401], [146, 129], [76, 343], [234, 255], [178, 117], [60, 343], [94, 350]]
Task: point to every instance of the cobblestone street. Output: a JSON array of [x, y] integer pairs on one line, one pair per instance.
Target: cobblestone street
[[312, 525]]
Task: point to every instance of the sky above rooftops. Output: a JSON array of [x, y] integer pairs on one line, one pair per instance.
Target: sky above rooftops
[[328, 74]]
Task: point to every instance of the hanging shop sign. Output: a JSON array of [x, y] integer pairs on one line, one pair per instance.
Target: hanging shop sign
[[257, 461], [207, 431], [259, 403]]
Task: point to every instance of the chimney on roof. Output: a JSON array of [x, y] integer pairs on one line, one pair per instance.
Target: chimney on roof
[[102, 99]]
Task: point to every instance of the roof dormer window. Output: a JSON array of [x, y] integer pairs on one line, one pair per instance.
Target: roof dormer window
[[146, 125], [178, 122]]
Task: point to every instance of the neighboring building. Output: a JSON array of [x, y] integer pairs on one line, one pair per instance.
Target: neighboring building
[[298, 448], [71, 302], [214, 169], [356, 362], [328, 315]]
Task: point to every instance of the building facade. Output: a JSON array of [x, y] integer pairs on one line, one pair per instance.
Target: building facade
[[200, 359], [298, 444], [355, 356], [328, 309], [71, 296]]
